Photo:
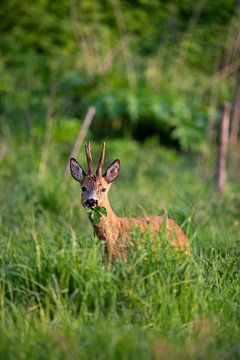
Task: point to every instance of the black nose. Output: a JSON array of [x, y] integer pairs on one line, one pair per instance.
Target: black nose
[[91, 202]]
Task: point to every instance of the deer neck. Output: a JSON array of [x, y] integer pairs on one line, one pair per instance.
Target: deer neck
[[107, 229]]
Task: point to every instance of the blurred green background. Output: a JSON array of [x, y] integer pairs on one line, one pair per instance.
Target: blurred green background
[[151, 68]]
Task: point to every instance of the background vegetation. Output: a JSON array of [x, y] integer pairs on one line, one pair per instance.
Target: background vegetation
[[150, 68], [157, 73]]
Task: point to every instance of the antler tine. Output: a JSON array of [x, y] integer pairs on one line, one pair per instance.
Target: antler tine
[[89, 157], [101, 161]]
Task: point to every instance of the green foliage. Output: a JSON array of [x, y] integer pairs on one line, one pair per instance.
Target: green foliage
[[96, 213], [152, 75], [61, 299]]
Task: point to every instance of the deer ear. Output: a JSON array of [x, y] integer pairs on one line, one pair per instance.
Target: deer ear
[[77, 171], [112, 171]]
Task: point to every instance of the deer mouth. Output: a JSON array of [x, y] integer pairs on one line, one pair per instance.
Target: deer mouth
[[91, 203], [89, 207]]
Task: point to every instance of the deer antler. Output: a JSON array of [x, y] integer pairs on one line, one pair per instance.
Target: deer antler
[[101, 161], [89, 157]]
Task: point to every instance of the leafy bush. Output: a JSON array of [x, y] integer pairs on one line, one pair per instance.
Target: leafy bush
[[152, 79]]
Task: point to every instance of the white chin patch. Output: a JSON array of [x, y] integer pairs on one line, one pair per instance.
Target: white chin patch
[[89, 206]]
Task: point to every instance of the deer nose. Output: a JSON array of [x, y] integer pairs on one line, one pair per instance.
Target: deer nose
[[91, 203]]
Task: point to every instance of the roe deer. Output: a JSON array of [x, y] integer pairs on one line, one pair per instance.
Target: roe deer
[[113, 230]]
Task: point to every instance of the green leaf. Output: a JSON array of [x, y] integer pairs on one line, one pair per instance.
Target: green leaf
[[96, 214]]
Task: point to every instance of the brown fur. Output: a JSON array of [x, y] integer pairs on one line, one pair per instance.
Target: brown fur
[[116, 231]]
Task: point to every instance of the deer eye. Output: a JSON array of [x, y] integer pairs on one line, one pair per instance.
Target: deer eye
[[83, 189], [103, 189]]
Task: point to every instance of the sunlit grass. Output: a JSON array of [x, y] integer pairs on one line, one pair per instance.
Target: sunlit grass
[[61, 299]]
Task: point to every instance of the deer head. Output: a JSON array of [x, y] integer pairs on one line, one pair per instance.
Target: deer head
[[95, 187]]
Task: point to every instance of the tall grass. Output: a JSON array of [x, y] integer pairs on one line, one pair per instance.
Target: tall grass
[[61, 299]]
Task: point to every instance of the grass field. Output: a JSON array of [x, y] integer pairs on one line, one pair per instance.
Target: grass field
[[59, 299]]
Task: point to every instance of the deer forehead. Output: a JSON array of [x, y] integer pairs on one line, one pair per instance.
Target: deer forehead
[[94, 182]]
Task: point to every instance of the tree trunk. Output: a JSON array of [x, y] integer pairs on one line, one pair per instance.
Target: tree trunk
[[222, 150], [82, 133], [235, 118]]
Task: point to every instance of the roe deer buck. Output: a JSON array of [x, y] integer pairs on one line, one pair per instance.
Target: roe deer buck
[[113, 230]]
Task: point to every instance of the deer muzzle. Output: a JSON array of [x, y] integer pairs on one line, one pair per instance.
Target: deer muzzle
[[92, 202]]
